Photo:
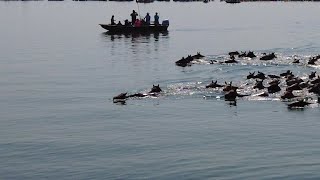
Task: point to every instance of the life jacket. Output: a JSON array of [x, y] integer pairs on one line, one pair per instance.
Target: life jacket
[[137, 23]]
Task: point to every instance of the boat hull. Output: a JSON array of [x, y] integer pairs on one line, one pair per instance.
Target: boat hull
[[144, 1], [233, 1], [131, 29]]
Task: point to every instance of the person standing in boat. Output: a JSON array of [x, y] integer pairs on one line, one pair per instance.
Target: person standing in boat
[[112, 20], [133, 17], [147, 18], [156, 19]]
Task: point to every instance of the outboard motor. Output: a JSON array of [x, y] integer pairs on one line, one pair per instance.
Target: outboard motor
[[165, 22]]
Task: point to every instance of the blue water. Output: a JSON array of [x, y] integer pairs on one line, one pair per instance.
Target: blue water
[[59, 71]]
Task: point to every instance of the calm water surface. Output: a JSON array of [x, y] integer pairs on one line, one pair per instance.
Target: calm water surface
[[59, 71]]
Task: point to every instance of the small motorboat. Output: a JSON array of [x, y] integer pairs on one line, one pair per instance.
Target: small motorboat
[[232, 1], [133, 29], [144, 1]]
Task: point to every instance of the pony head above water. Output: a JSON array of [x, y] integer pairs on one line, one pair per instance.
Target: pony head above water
[[229, 87], [214, 85], [155, 89]]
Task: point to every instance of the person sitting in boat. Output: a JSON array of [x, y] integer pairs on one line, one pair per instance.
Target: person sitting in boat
[[147, 18], [112, 20], [126, 22], [133, 17], [156, 19], [119, 23], [137, 23]]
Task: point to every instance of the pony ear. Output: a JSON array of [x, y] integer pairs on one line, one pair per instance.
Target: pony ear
[[216, 82], [212, 81], [225, 83], [230, 83], [152, 85], [158, 85]]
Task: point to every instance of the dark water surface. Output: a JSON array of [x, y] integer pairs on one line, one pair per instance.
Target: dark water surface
[[59, 72]]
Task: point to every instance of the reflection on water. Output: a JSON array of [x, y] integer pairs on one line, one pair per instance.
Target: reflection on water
[[135, 37], [232, 103], [120, 102], [137, 43]]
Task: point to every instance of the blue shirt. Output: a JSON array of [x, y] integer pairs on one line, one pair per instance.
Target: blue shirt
[[156, 18], [147, 18]]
